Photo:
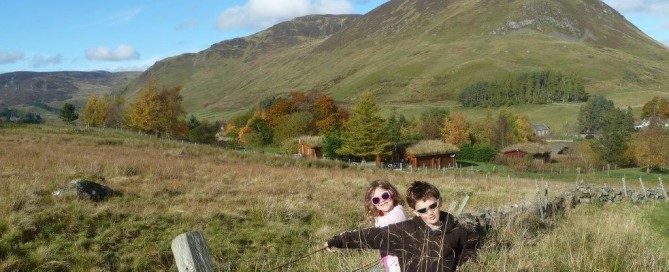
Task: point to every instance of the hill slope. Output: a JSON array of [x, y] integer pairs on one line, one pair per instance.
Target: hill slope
[[48, 87], [419, 52]]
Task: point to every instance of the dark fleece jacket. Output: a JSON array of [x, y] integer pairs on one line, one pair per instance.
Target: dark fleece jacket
[[417, 247]]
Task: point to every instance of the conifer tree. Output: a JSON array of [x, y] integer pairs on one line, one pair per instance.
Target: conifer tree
[[68, 114], [365, 134]]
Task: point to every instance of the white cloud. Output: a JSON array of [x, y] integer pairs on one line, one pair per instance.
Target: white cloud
[[122, 52], [264, 13], [39, 60], [10, 57]]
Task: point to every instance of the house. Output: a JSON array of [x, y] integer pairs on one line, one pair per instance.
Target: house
[[641, 124], [536, 150], [310, 147], [540, 130], [432, 154]]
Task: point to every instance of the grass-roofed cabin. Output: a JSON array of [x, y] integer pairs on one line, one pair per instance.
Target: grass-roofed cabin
[[311, 147], [536, 150], [432, 154]]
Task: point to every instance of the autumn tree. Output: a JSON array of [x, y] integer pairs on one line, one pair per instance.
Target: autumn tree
[[327, 115], [455, 129], [157, 111], [278, 109], [656, 107], [651, 148], [364, 135], [95, 111], [522, 130]]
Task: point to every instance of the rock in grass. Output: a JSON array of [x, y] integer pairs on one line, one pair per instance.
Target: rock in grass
[[86, 189]]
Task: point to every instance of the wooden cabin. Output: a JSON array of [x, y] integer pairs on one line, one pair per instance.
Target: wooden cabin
[[536, 150], [310, 147], [432, 154]]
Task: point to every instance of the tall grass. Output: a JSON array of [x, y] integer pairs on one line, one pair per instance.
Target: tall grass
[[256, 211], [591, 238]]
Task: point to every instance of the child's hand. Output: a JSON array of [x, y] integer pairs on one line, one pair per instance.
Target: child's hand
[[329, 248]]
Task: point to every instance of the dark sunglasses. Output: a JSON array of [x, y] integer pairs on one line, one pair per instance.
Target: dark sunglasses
[[429, 208], [384, 196]]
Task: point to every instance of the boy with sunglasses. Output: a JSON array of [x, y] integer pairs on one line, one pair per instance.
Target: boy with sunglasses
[[431, 241]]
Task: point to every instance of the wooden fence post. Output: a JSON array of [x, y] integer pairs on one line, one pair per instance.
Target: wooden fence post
[[462, 205], [664, 191], [643, 188], [624, 188], [191, 253]]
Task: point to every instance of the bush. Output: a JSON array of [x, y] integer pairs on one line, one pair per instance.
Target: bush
[[477, 152]]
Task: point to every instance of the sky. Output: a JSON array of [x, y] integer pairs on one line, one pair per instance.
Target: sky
[[131, 35]]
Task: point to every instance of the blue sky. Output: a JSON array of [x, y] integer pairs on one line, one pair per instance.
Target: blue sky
[[122, 35]]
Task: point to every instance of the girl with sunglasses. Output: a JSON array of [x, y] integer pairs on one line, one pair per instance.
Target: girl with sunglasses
[[384, 204]]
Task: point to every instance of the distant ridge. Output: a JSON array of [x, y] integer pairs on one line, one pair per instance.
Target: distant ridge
[[46, 87]]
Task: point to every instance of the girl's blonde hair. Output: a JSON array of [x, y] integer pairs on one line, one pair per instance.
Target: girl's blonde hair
[[384, 184]]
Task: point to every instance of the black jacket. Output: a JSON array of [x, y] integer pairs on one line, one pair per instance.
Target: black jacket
[[417, 247]]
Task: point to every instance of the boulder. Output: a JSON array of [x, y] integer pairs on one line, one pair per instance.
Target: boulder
[[91, 190]]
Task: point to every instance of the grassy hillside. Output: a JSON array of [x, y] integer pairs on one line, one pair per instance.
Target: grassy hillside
[[53, 89], [258, 211], [415, 53]]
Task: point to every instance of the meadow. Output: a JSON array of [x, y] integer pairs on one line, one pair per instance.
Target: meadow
[[259, 211]]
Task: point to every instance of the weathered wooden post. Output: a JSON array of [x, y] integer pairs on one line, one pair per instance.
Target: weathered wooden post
[[451, 208], [664, 191], [462, 205], [191, 253], [643, 188], [624, 188]]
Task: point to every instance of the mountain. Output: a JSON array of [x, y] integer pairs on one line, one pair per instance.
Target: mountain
[[413, 53], [48, 87]]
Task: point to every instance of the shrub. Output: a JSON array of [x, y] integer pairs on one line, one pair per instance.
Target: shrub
[[476, 152]]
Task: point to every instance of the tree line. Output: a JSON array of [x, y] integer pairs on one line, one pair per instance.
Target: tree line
[[542, 87]]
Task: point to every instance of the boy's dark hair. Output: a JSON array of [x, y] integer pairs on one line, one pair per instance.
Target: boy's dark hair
[[421, 190]]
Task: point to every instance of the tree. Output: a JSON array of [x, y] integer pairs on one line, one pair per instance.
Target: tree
[[68, 114], [481, 132], [592, 114], [616, 133], [327, 114], [257, 133], [95, 111], [364, 135], [115, 111], [651, 148], [503, 131], [431, 122], [522, 130], [332, 142], [292, 126], [157, 111], [455, 129]]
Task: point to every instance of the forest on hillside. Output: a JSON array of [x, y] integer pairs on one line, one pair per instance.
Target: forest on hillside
[[542, 87]]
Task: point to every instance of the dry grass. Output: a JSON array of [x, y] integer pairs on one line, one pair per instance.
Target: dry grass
[[256, 212]]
